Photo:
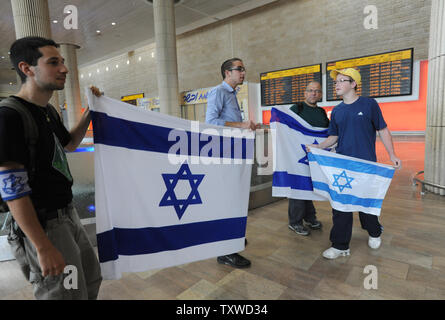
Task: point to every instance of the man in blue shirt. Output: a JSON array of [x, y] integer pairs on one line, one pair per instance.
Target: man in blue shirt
[[353, 127], [223, 110]]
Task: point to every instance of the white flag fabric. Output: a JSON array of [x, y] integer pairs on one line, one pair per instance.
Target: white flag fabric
[[350, 184], [291, 176], [166, 192]]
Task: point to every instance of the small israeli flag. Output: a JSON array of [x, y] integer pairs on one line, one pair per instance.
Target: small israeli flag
[[350, 184]]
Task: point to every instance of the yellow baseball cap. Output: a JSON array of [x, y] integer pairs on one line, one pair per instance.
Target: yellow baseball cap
[[351, 72]]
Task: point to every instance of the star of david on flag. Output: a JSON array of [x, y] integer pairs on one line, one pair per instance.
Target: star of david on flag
[[171, 180], [168, 191], [342, 181], [304, 160], [350, 184]]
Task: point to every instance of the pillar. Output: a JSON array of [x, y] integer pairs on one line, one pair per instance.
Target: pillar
[[72, 87], [31, 18], [167, 66], [435, 126]]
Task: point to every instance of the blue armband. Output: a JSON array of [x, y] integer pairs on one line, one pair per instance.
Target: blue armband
[[14, 184]]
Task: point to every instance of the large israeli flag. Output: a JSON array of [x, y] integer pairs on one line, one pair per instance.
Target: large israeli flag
[[349, 183], [167, 192], [291, 176]]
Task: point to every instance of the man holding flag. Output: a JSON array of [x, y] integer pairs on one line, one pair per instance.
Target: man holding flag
[[353, 127], [303, 210]]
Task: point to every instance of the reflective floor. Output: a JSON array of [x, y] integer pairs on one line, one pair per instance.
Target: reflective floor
[[410, 263]]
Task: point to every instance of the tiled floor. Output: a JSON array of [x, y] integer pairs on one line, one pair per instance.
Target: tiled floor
[[410, 262]]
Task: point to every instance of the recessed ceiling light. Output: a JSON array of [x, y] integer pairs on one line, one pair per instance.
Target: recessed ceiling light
[[128, 61], [3, 57], [97, 31], [140, 58], [113, 23], [117, 66], [55, 21], [106, 69]]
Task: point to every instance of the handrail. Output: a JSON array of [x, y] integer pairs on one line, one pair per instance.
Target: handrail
[[423, 183]]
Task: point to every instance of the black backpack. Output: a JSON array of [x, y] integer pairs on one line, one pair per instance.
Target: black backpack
[[31, 133]]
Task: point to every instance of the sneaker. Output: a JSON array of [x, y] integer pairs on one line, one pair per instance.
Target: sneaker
[[314, 225], [300, 229], [333, 253], [374, 243]]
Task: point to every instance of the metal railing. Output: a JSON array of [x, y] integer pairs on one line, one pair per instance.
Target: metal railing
[[423, 183]]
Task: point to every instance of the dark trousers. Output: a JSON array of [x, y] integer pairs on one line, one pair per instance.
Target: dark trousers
[[299, 210], [341, 231]]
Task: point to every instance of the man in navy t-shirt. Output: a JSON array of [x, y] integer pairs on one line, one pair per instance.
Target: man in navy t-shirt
[[353, 126]]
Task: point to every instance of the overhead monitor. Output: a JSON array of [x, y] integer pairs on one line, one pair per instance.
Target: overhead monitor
[[287, 86], [383, 75]]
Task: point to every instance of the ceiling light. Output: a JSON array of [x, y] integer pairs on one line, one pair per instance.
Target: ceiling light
[[153, 54], [128, 61], [55, 21], [140, 58], [3, 57], [89, 74], [117, 66], [98, 71], [113, 23], [81, 76], [97, 31], [106, 69]]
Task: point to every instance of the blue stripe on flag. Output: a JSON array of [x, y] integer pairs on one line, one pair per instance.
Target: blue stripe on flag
[[351, 165], [283, 118], [294, 181], [141, 136], [129, 242], [347, 198]]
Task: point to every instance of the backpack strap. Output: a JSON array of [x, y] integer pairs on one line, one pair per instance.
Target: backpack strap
[[300, 107], [31, 131]]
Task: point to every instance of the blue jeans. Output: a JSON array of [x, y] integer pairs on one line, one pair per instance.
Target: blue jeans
[[299, 210]]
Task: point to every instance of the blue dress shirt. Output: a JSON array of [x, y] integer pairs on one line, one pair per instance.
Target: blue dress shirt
[[222, 105]]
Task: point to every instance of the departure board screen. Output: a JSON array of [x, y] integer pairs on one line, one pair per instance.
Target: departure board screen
[[383, 75], [287, 86]]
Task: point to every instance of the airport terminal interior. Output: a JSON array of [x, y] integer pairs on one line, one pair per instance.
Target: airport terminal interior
[[165, 56]]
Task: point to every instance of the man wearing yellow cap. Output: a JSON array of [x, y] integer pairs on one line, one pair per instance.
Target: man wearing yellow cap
[[353, 126]]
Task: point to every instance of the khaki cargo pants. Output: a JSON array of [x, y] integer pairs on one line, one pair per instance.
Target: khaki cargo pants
[[68, 235]]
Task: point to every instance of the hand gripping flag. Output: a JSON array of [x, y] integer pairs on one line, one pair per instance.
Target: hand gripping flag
[[167, 192], [291, 177], [350, 184]]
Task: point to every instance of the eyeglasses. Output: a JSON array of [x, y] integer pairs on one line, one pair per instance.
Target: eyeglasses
[[313, 91], [343, 80], [240, 69]]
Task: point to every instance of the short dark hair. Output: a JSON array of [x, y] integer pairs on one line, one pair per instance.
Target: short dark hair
[[227, 65], [27, 50]]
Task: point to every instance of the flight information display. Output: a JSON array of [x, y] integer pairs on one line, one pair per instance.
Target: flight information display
[[287, 86], [383, 75]]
